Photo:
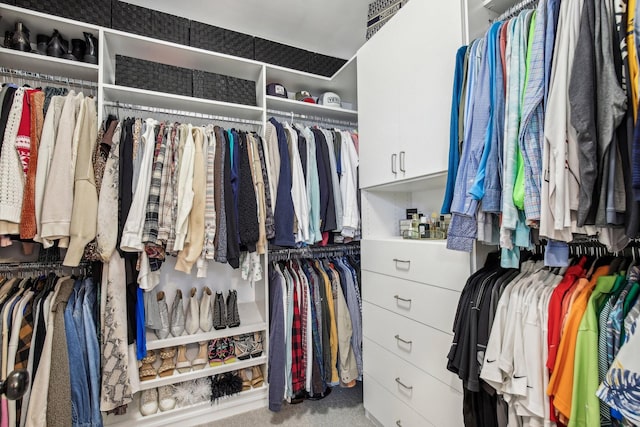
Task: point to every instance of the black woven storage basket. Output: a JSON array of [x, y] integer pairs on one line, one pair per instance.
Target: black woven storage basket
[[209, 85], [132, 19], [96, 12], [241, 91], [223, 88], [207, 37], [239, 44], [149, 75], [282, 55], [325, 65], [170, 27]]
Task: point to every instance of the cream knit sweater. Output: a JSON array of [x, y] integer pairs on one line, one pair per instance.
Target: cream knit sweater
[[11, 172], [85, 197], [185, 186]]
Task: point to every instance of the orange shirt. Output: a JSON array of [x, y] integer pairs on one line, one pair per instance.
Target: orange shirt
[[561, 381]]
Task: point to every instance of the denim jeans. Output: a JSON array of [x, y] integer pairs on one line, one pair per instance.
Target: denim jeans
[[80, 408], [93, 350]]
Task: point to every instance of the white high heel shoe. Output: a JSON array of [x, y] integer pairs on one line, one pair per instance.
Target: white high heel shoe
[[192, 322], [206, 310]]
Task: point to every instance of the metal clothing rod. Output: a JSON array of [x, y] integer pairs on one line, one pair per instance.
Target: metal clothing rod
[[516, 9], [291, 115], [171, 112], [38, 265], [46, 77], [314, 252]]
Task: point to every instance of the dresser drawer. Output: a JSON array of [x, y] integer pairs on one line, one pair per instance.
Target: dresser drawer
[[424, 303], [420, 345], [437, 402], [388, 410], [425, 262]]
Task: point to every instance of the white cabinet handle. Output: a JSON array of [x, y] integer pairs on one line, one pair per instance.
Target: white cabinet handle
[[402, 153], [399, 298], [394, 158], [408, 387], [404, 341]]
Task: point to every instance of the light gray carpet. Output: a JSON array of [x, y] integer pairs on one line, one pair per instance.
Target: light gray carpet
[[341, 407]]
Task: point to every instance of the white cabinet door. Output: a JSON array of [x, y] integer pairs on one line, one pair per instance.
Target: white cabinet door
[[405, 75]]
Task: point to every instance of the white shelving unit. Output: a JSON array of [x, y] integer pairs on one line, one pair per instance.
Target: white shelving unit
[[253, 301], [277, 103]]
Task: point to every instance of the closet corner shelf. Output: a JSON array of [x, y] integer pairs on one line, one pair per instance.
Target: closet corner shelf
[[300, 107], [130, 95], [498, 6], [142, 47], [250, 321], [35, 63], [426, 182], [202, 409], [207, 371]]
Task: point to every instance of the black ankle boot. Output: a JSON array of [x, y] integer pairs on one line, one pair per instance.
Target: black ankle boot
[[91, 53]]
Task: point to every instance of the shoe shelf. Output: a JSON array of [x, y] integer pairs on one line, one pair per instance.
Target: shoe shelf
[[41, 23], [251, 320], [50, 65], [149, 98], [202, 412], [207, 371]]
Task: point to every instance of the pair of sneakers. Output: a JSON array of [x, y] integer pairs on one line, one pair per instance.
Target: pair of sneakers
[[225, 313], [157, 398], [222, 350]]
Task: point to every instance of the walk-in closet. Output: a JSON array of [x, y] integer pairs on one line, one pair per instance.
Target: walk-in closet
[[364, 213]]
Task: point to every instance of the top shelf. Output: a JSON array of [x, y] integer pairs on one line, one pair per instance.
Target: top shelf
[[41, 23]]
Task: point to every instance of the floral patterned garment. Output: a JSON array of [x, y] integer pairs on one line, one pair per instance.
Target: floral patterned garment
[[621, 387]]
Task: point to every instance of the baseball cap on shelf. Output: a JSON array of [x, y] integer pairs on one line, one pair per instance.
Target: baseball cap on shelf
[[305, 96], [330, 99], [276, 89]]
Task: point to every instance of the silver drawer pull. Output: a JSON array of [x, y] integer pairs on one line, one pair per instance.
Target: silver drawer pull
[[398, 298], [398, 423], [404, 385], [404, 341]]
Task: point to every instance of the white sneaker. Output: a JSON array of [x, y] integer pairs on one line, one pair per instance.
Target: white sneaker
[[166, 398], [149, 402]]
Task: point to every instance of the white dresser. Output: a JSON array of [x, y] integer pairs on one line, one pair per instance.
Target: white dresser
[[410, 288]]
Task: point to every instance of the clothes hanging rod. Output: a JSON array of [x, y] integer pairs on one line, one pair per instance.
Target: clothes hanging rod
[[310, 118], [39, 265], [46, 77], [159, 110], [516, 9], [282, 254]]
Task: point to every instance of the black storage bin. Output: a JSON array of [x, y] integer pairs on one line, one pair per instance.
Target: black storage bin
[[223, 88], [90, 11], [209, 85], [170, 27], [325, 65], [141, 74], [207, 37], [218, 39], [241, 91], [132, 19], [238, 44], [282, 55]]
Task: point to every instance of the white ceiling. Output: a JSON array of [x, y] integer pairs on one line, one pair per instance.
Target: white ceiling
[[331, 27]]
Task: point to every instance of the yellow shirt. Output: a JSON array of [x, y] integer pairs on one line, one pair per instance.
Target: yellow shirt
[[633, 57]]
